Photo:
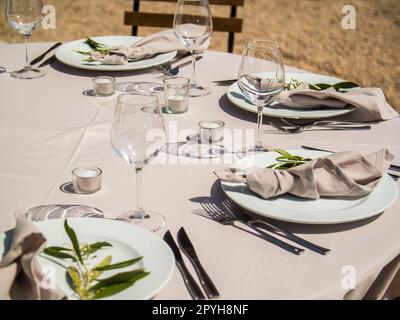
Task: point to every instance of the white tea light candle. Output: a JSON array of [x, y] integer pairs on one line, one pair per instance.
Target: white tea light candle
[[104, 86], [86, 179], [176, 92], [211, 130], [177, 104]]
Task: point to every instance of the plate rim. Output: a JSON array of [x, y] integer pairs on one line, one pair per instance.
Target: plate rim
[[248, 107], [151, 294], [109, 68], [312, 222]]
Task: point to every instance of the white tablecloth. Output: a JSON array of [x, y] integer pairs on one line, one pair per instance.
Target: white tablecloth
[[47, 127]]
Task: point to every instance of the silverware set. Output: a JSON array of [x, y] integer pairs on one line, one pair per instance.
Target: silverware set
[[188, 249], [228, 213]]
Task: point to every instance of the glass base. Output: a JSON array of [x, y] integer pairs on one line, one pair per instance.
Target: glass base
[[152, 221], [198, 91], [246, 151], [28, 73], [202, 150]]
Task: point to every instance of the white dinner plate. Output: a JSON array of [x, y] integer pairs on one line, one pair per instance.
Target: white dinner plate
[[322, 211], [279, 111], [128, 242], [67, 55]]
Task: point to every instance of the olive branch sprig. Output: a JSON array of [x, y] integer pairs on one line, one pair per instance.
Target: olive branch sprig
[[83, 278], [287, 160]]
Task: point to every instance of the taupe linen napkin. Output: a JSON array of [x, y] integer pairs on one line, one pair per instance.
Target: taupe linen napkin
[[160, 42], [370, 103], [20, 272], [345, 174]]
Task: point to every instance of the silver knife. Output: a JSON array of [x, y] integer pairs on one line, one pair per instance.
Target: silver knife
[[48, 61], [188, 248], [41, 57], [190, 283]]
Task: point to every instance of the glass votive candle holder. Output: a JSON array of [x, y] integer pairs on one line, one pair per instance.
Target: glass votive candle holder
[[86, 179], [104, 86], [176, 92], [211, 131]]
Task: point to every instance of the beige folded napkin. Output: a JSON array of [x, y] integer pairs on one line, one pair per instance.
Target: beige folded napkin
[[370, 103], [20, 272], [345, 174], [160, 42]]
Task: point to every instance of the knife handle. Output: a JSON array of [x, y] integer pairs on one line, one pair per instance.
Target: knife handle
[[206, 282], [190, 283]]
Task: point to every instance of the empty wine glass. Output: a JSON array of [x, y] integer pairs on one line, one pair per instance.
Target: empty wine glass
[[138, 134], [24, 16], [193, 27], [261, 78]]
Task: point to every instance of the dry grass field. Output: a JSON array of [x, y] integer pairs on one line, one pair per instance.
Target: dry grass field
[[309, 30]]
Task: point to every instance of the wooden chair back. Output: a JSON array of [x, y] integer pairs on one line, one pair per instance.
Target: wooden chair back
[[231, 25]]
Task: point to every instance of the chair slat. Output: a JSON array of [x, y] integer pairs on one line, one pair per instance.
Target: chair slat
[[164, 20]]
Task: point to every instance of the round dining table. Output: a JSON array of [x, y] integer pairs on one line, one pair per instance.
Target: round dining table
[[48, 128]]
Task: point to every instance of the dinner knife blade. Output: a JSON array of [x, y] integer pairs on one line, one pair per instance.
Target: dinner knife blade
[[48, 61], [41, 57], [205, 280], [190, 283]]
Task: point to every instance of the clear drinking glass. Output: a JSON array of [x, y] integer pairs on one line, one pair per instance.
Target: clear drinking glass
[[261, 77], [138, 134], [193, 27], [24, 16]]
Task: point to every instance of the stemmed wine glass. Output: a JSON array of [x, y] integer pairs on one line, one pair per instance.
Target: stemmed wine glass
[[24, 16], [193, 27], [138, 134], [261, 78]]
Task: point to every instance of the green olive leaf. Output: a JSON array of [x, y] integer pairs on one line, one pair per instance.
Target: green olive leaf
[[74, 240], [122, 277], [105, 262], [119, 265], [323, 86], [118, 287], [54, 252], [93, 247], [345, 85]]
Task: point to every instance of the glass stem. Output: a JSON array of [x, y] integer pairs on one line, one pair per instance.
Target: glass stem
[[139, 212], [260, 114], [27, 64], [193, 76]]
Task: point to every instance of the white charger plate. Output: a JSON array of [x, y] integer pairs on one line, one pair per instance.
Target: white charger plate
[[277, 110], [67, 55], [128, 242], [294, 209]]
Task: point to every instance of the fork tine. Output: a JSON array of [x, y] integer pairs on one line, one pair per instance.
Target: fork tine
[[203, 213], [210, 210], [222, 214]]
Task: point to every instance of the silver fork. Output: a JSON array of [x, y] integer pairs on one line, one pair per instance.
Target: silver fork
[[233, 207], [212, 211], [333, 125]]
